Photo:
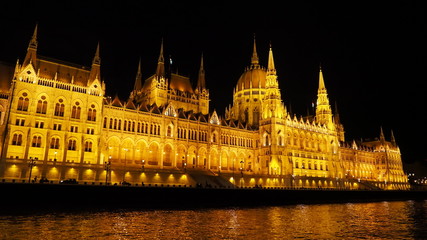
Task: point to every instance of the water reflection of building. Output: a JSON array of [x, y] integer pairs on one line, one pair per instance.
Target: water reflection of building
[[57, 112]]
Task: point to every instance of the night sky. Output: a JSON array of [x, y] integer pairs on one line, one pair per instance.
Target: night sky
[[373, 55]]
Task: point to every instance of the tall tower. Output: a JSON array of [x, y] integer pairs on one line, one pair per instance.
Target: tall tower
[[160, 71], [273, 122], [136, 92], [201, 91], [323, 108], [249, 93], [31, 55], [95, 71], [272, 102]]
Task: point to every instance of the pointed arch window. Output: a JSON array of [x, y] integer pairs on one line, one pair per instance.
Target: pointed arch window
[[17, 139], [169, 132], [75, 112], [72, 145], [59, 108], [54, 143], [214, 138], [23, 102], [91, 114], [266, 140], [37, 141], [280, 142], [88, 146], [41, 105]]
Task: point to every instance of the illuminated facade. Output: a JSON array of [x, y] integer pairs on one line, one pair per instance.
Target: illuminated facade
[[57, 113]]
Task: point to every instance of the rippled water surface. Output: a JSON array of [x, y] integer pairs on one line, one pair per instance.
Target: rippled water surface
[[381, 220]]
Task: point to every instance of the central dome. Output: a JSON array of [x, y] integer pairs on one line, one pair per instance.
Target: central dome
[[253, 77]]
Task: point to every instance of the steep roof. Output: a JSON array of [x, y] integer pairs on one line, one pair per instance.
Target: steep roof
[[65, 72]]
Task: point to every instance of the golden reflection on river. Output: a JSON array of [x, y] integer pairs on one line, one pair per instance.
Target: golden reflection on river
[[381, 220]]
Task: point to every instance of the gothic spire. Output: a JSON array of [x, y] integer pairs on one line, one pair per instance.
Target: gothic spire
[[337, 115], [201, 82], [382, 138], [271, 68], [254, 59], [138, 79], [96, 58], [95, 71], [393, 140], [30, 57], [160, 71], [321, 81], [323, 109]]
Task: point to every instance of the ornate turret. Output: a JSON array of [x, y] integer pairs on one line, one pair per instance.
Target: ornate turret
[[323, 109], [272, 102], [31, 55]]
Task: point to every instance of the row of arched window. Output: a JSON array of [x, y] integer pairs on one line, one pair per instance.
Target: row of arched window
[[24, 101], [132, 126], [309, 165], [236, 141], [192, 134], [54, 143]]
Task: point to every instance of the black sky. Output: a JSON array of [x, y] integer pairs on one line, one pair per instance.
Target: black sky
[[373, 55]]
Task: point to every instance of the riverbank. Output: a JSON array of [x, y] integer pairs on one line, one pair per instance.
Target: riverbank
[[52, 196]]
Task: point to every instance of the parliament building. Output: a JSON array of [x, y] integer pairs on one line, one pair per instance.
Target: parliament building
[[57, 123]]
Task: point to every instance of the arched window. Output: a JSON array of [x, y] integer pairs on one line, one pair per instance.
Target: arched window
[[59, 108], [23, 102], [255, 116], [72, 145], [2, 113], [267, 140], [42, 105], [91, 114], [169, 132], [214, 137], [105, 122], [17, 139], [54, 143], [37, 141], [280, 141], [88, 146], [75, 112]]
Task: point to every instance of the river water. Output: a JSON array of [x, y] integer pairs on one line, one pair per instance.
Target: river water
[[378, 220]]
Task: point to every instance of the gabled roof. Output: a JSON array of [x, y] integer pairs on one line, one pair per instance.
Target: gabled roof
[[155, 109], [116, 102], [130, 105]]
